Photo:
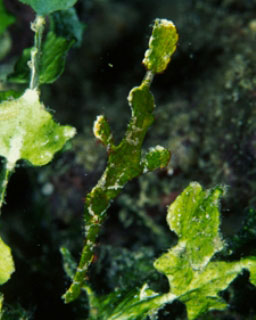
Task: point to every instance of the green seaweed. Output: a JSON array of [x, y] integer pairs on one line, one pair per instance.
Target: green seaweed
[[194, 277], [44, 7], [6, 263]]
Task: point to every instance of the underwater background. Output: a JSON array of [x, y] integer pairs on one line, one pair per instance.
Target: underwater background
[[206, 116]]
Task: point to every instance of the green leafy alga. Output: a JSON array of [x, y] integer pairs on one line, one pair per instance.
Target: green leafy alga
[[52, 61], [44, 7], [65, 31], [1, 304], [6, 268], [66, 23], [194, 279], [28, 131], [6, 263]]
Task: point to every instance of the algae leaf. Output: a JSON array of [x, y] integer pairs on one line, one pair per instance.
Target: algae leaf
[[66, 23], [134, 305], [65, 31], [54, 57], [9, 94], [6, 264], [52, 63], [193, 278], [118, 305], [6, 268], [30, 132], [1, 304], [44, 7]]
